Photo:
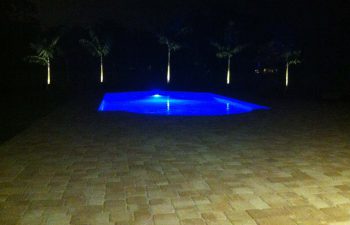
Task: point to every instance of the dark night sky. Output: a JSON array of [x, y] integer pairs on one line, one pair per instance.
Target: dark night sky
[[302, 18], [137, 13]]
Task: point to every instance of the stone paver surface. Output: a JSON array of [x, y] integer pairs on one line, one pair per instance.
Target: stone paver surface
[[286, 166]]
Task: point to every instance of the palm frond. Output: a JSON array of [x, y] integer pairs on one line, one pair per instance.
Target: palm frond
[[294, 62], [89, 45], [239, 48], [225, 51], [54, 42], [36, 59], [222, 55], [292, 57], [174, 46], [217, 46], [44, 50], [163, 40], [94, 39], [36, 47], [106, 48], [95, 46]]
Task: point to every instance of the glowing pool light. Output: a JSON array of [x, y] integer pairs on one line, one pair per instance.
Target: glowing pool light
[[175, 103]]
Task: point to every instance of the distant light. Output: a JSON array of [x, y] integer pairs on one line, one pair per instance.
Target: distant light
[[266, 71], [156, 96]]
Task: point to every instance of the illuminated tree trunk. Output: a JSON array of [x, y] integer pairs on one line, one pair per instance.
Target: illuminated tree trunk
[[168, 68], [287, 74], [228, 78], [48, 72], [101, 73]]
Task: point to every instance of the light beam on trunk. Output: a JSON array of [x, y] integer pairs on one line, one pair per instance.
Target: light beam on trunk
[[168, 69], [228, 78], [101, 73], [287, 74], [48, 73]]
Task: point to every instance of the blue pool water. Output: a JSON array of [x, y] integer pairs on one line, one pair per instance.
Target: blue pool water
[[175, 103]]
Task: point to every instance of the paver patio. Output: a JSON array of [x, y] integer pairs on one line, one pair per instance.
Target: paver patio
[[286, 166]]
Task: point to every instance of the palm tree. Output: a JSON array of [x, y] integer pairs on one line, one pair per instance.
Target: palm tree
[[45, 51], [172, 47], [97, 48], [290, 58], [226, 51]]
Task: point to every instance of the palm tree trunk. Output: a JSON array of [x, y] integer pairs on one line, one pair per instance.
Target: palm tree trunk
[[168, 68], [101, 73], [48, 72], [228, 78], [287, 74]]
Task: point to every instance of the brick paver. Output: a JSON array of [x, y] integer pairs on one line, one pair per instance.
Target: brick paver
[[286, 166]]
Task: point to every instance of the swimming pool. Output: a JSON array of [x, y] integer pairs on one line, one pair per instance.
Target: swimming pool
[[175, 103]]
